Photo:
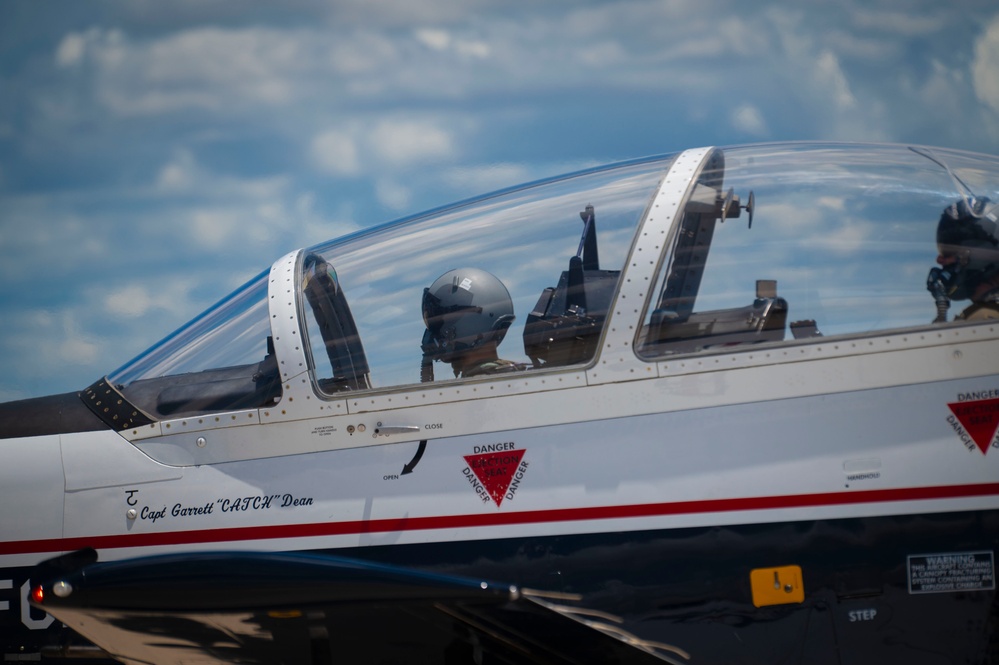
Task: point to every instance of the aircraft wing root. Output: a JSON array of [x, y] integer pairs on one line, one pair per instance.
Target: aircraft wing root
[[270, 608]]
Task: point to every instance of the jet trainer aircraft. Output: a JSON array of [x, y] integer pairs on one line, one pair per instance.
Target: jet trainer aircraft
[[708, 407]]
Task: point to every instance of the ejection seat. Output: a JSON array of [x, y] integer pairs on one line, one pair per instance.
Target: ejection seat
[[673, 326], [341, 340], [762, 321], [564, 326]]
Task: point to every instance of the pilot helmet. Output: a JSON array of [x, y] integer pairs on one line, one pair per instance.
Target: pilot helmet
[[464, 309], [968, 242]]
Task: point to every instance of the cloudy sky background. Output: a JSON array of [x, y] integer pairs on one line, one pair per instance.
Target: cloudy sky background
[[154, 156]]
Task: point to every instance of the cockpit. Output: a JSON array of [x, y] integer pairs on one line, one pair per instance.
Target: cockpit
[[768, 246]]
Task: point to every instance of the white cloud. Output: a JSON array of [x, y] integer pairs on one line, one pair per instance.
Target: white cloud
[[434, 38], [473, 48], [747, 118], [66, 341], [206, 68], [76, 349], [905, 23], [402, 13], [104, 47], [985, 67], [128, 302], [438, 39], [488, 177], [146, 294], [179, 174], [356, 53], [70, 50], [849, 237], [222, 69], [335, 152], [34, 227], [415, 102], [362, 54], [836, 204], [311, 227], [183, 174], [248, 226], [829, 75], [376, 147], [942, 93], [393, 195], [402, 142], [213, 228]]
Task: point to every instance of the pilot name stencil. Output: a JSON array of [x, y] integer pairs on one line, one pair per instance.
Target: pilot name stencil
[[495, 471], [224, 505], [974, 417]]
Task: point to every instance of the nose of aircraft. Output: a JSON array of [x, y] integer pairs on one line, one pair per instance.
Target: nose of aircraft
[[41, 416]]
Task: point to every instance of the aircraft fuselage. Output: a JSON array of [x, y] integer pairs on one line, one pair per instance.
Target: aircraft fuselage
[[684, 467]]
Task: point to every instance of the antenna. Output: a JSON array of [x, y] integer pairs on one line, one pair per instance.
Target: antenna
[[964, 191]]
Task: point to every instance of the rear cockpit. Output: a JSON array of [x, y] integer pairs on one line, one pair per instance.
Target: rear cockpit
[[840, 247]]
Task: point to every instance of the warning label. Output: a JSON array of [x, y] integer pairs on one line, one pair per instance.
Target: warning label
[[496, 475], [958, 571], [976, 421]]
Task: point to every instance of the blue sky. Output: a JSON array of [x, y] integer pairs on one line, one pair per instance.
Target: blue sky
[[154, 156]]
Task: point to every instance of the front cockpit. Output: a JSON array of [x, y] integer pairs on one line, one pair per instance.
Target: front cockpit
[[346, 315], [771, 245], [224, 360]]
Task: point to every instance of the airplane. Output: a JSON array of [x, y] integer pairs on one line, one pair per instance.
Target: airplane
[[712, 406]]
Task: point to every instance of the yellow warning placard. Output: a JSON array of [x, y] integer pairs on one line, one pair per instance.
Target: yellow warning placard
[[777, 586]]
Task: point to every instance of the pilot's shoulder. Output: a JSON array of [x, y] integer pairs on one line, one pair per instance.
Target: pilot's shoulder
[[979, 311], [498, 366]]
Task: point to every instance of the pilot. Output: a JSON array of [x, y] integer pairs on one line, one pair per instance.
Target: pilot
[[968, 242], [467, 313]]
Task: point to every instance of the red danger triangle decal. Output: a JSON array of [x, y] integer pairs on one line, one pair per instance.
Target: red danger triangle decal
[[980, 419], [495, 471]]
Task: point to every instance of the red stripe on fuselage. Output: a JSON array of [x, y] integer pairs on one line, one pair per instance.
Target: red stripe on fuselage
[[283, 531]]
